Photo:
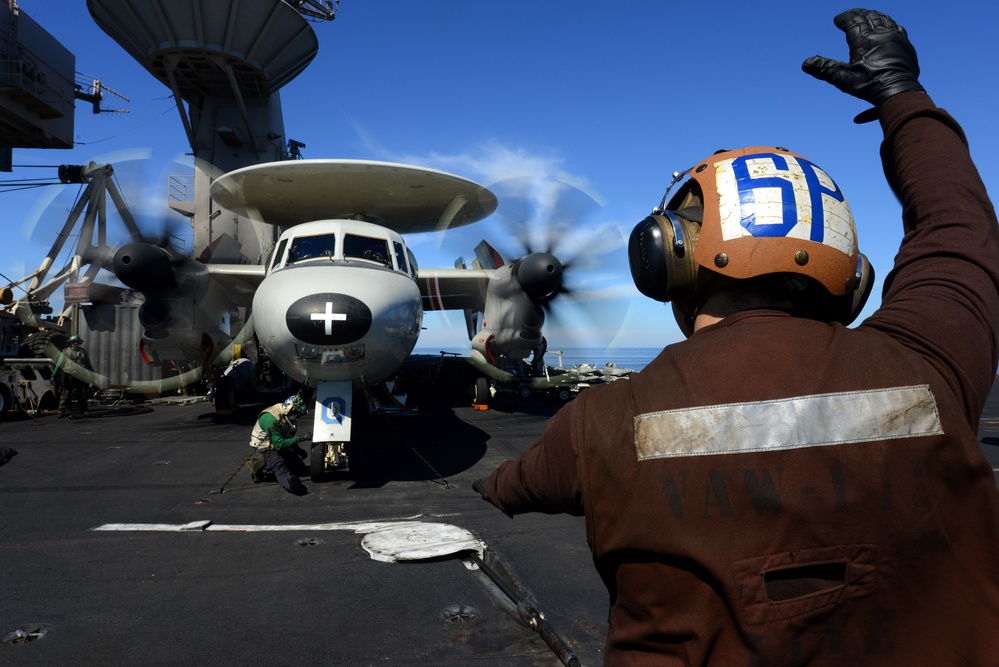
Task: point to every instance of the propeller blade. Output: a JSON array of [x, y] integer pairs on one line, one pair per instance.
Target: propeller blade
[[540, 216], [554, 217]]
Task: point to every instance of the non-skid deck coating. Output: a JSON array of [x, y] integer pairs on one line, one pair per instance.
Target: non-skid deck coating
[[256, 576], [262, 577]]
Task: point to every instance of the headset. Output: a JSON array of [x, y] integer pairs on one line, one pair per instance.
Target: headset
[[661, 255]]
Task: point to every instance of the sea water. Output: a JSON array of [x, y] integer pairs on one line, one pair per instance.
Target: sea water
[[634, 358]]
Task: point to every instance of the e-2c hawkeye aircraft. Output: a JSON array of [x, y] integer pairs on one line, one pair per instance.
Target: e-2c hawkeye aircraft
[[338, 305]]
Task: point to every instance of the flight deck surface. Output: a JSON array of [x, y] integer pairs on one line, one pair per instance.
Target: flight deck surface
[[258, 576], [285, 581]]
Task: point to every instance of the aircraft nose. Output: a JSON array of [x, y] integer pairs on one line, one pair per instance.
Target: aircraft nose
[[328, 319]]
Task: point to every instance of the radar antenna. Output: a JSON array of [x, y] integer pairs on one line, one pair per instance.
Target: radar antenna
[[95, 93]]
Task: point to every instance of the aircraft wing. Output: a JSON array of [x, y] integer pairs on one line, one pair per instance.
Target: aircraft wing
[[240, 281], [453, 289]]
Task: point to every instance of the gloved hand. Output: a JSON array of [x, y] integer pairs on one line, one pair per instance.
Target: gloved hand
[[882, 60], [305, 436]]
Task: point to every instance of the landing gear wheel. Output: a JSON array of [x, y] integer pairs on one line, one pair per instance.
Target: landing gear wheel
[[317, 461], [525, 392], [564, 395], [481, 391]]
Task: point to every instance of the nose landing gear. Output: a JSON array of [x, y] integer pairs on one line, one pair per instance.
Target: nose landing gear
[[327, 457]]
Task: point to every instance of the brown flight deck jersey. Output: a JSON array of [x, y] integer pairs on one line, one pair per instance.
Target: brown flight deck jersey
[[781, 491]]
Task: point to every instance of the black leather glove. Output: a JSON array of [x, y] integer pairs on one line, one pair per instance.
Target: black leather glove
[[882, 61], [305, 436], [479, 486]]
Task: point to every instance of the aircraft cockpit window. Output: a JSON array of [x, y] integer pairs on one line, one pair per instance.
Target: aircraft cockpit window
[[364, 247], [276, 258], [312, 247], [413, 266], [400, 257]]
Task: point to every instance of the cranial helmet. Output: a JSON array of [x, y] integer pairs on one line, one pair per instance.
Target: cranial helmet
[[294, 405], [75, 339], [746, 213]]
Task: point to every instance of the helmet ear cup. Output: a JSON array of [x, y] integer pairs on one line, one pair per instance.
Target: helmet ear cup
[[817, 303], [661, 255], [863, 284]]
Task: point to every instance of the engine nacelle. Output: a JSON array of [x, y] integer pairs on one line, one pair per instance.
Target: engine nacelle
[[513, 315], [180, 317]]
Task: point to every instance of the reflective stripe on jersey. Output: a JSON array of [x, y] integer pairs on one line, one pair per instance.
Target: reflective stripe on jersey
[[792, 423]]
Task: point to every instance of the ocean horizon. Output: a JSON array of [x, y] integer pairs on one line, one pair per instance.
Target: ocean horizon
[[634, 358]]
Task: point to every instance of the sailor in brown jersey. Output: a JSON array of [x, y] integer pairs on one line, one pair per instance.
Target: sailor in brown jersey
[[832, 504]]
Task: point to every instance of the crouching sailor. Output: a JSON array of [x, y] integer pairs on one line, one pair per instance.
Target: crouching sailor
[[277, 449]]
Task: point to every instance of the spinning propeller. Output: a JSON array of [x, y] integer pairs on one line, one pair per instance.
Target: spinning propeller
[[546, 222], [544, 229], [150, 263]]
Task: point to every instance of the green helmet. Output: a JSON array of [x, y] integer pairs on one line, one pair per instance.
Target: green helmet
[[294, 405], [75, 339]]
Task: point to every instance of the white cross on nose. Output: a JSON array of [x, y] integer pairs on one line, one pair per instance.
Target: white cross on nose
[[329, 317]]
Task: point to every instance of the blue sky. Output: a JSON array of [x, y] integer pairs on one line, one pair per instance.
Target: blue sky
[[611, 98]]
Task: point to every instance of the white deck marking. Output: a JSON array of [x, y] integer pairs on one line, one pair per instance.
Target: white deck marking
[[388, 541], [208, 525]]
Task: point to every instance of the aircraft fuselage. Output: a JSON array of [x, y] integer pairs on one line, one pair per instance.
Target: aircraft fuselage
[[339, 302]]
